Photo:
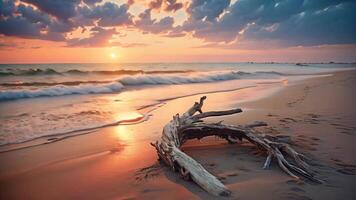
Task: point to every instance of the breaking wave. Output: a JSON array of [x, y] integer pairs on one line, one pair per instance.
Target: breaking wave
[[61, 90], [49, 71], [66, 83], [69, 88]]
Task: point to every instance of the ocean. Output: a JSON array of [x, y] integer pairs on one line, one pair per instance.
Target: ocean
[[48, 102]]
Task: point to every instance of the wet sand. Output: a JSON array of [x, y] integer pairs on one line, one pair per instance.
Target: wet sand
[[119, 163]]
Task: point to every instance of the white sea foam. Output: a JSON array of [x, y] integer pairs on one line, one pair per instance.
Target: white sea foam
[[180, 78], [60, 90], [133, 80], [26, 120]]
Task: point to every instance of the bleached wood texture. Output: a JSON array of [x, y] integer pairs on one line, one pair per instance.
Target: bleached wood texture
[[190, 125]]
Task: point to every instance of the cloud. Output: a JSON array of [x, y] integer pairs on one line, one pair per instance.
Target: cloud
[[10, 27], [207, 9], [46, 23], [333, 24], [26, 22], [174, 34], [167, 5], [129, 45], [91, 2], [233, 24], [130, 2], [99, 37], [6, 8], [32, 15], [288, 22], [108, 14], [172, 5], [156, 4], [62, 9], [147, 24]]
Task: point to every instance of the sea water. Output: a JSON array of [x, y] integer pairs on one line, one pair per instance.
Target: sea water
[[52, 100]]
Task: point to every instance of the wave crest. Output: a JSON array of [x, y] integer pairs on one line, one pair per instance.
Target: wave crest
[[68, 88], [61, 90], [49, 71]]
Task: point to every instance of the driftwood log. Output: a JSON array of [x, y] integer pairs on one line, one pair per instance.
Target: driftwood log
[[191, 126]]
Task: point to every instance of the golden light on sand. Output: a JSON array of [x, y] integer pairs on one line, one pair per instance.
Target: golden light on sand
[[126, 136], [123, 134]]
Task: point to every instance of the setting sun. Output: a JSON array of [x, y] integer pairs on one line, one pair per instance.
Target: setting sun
[[113, 55]]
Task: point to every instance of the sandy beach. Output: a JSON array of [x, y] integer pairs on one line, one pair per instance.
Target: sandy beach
[[177, 99], [118, 162]]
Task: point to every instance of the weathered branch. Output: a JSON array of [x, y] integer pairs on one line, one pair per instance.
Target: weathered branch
[[190, 126], [217, 113]]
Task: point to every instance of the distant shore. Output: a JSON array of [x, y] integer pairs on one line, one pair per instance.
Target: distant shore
[[118, 162]]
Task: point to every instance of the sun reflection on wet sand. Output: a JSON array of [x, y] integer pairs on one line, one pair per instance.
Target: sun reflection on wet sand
[[285, 82], [127, 137], [128, 117], [124, 134]]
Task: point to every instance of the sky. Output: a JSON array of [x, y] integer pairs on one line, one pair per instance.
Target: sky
[[105, 31]]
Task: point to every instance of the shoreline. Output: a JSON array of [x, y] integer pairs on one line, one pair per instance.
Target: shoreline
[[126, 151], [144, 116]]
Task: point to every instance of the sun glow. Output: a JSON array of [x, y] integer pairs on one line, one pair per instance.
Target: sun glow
[[113, 55]]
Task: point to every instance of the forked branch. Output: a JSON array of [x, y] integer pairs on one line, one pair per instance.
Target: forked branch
[[190, 126]]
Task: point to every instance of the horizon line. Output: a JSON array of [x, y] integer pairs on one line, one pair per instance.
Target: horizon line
[[193, 62]]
